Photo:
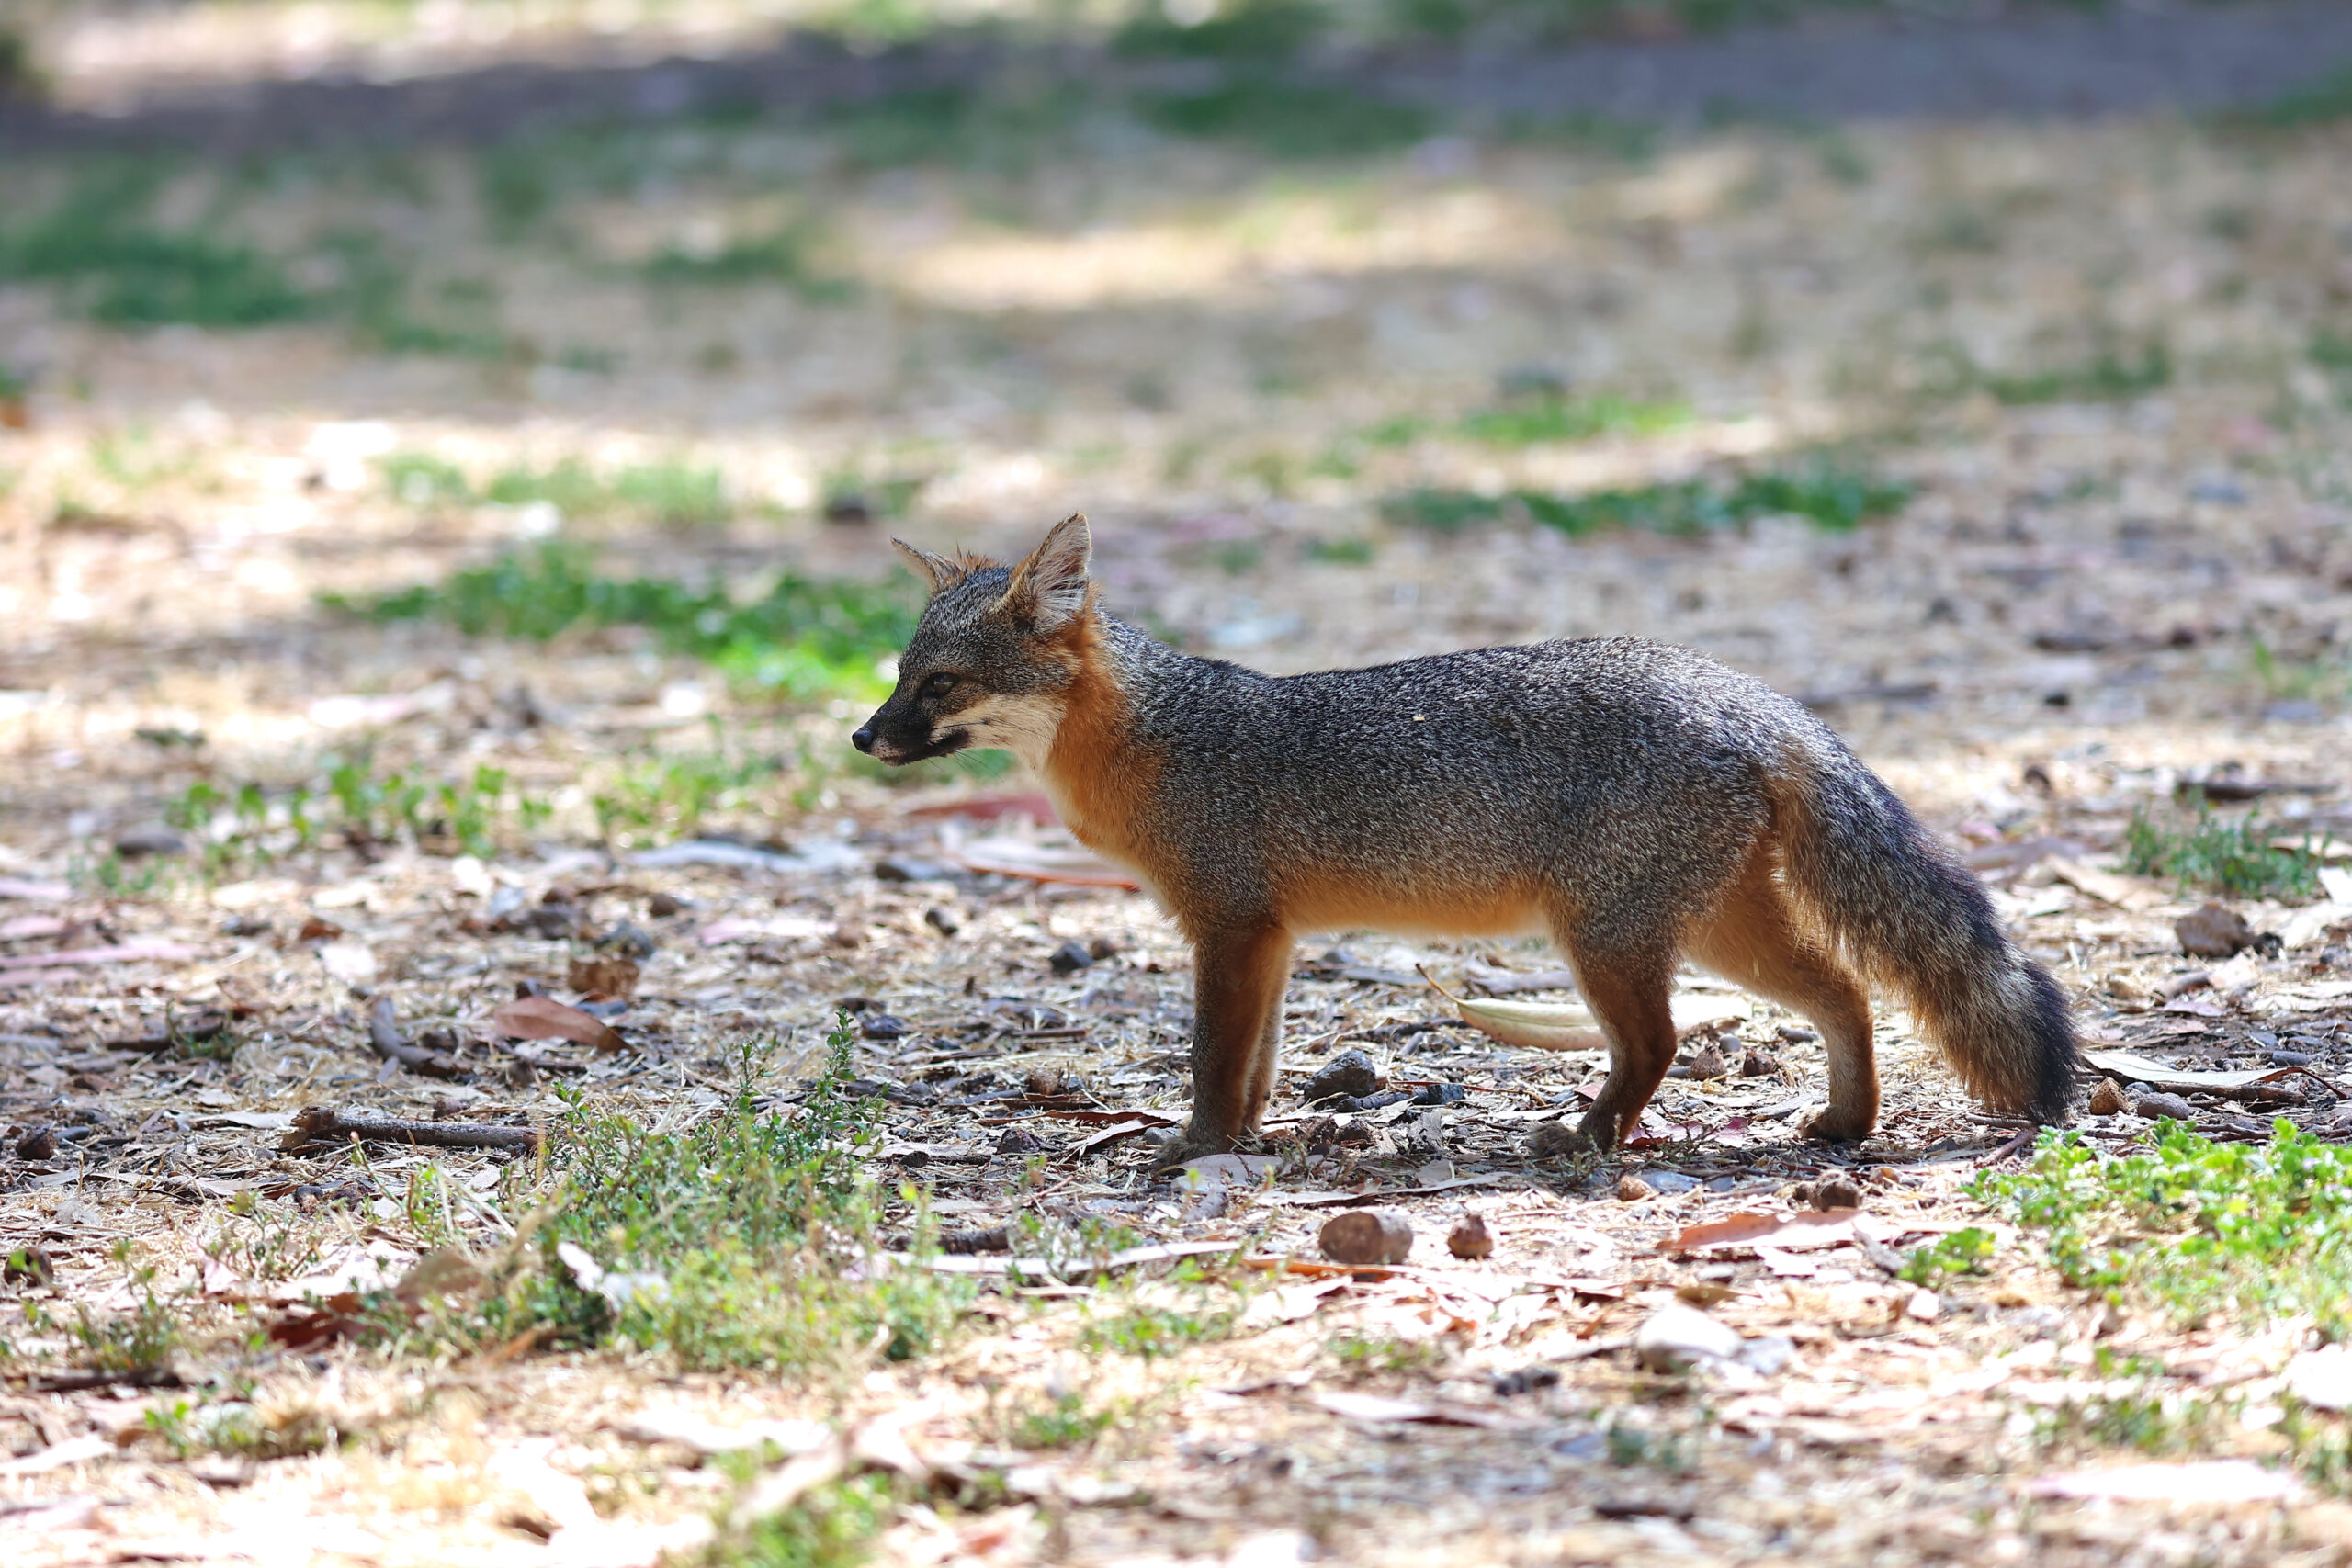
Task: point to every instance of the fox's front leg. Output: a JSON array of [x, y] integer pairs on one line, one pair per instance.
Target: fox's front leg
[[1238, 980]]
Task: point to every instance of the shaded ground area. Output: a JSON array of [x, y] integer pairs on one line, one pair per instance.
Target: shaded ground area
[[439, 584]]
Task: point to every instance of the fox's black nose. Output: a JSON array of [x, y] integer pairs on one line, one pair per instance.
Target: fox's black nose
[[864, 740]]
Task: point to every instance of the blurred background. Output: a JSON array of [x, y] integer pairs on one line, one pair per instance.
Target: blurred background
[[479, 424]]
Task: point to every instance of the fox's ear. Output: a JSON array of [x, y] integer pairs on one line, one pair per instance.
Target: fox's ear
[[940, 571], [1049, 588]]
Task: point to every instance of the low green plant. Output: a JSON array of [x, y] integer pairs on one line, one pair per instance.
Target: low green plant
[[1960, 1252], [116, 266], [2134, 1405], [2215, 855], [669, 795], [2194, 1229], [1530, 422], [802, 636], [1829, 495], [2110, 375], [2323, 102], [785, 255], [237, 1427], [1059, 1421], [1367, 1354], [748, 1240], [1154, 1331], [832, 1527]]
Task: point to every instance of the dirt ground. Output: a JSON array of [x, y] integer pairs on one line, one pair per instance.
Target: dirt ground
[[2108, 363]]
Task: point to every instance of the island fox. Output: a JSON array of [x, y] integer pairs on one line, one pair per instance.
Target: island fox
[[1640, 802]]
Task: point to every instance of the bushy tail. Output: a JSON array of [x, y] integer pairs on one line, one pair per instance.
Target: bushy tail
[[1919, 925]]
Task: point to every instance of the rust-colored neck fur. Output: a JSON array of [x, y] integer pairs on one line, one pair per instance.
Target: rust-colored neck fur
[[1100, 776]]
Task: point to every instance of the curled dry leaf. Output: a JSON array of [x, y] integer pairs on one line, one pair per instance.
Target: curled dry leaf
[[544, 1018], [1566, 1026]]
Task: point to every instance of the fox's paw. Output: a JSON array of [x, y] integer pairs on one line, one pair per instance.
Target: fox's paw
[[1190, 1146], [1557, 1140], [1835, 1126]]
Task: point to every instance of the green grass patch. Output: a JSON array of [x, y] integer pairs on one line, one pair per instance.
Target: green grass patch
[[116, 266], [1059, 1421], [2110, 375], [1152, 1331], [475, 814], [1532, 422], [675, 493], [2215, 855], [832, 1527], [2195, 1230], [669, 796], [785, 255], [1289, 119], [748, 1240], [1962, 1252], [2325, 101], [803, 636], [1829, 495]]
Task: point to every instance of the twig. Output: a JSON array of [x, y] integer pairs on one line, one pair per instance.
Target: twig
[[384, 1035], [320, 1125], [133, 1377]]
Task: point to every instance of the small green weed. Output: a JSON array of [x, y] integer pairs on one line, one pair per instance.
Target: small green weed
[[802, 636], [832, 1527], [2323, 102], [2195, 1229], [669, 794], [1155, 1331], [116, 267], [1829, 495], [2132, 1407], [1290, 120], [1530, 421], [1961, 1252], [1370, 1354], [235, 1427], [2219, 855], [1342, 552], [1060, 1421], [1630, 1447], [785, 255], [2108, 377], [473, 814], [747, 1240], [675, 493]]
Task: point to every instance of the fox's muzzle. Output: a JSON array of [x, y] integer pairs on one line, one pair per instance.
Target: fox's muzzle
[[897, 738]]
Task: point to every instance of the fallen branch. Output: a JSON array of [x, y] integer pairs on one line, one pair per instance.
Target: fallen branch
[[384, 1036], [319, 1125]]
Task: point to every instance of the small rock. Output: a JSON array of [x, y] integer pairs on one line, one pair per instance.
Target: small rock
[[1557, 1140], [1707, 1062], [1755, 1064], [551, 921], [1068, 959], [848, 508], [1923, 1307], [1441, 1094], [1050, 1083], [1019, 1141], [881, 1026], [2154, 1104], [1102, 947], [1768, 1354], [942, 920], [2214, 930], [2107, 1098], [1670, 1182], [1677, 1338], [1795, 1034], [662, 906], [38, 1143], [2323, 1378], [244, 925], [628, 939], [1350, 1074], [1836, 1192], [152, 838], [1524, 1380], [1468, 1239], [1366, 1237], [907, 868], [1632, 1189]]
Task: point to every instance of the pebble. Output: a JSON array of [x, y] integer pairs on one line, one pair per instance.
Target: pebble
[[38, 1143], [1677, 1338], [907, 868], [155, 840], [942, 920], [2107, 1098], [881, 1026], [1836, 1192], [1069, 958], [1524, 1380], [1469, 1238], [1707, 1063], [662, 906], [1755, 1064], [1632, 1189], [1796, 1035], [1350, 1074], [1670, 1182], [2153, 1105], [2213, 931], [628, 940], [1923, 1307], [2321, 1377], [1019, 1141], [1366, 1237]]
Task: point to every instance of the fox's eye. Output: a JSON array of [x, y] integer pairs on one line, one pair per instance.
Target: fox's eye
[[937, 687]]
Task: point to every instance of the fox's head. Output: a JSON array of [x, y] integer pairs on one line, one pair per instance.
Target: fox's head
[[992, 656]]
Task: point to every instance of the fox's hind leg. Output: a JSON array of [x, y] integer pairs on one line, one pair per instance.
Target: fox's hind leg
[[1630, 992], [1238, 984], [1755, 940]]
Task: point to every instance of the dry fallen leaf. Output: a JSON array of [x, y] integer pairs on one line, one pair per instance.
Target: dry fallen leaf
[[1793, 1232], [544, 1018]]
